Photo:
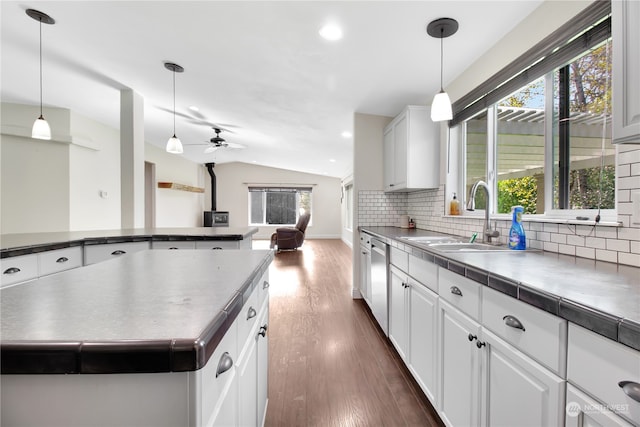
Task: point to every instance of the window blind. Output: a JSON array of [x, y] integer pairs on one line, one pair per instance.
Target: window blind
[[559, 48]]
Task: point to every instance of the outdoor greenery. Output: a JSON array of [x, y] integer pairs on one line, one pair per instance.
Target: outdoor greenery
[[518, 191]]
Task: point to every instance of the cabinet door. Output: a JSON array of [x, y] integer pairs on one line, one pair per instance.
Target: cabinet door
[[423, 332], [18, 269], [263, 365], [626, 68], [398, 311], [365, 266], [388, 161], [583, 411], [104, 252], [218, 244], [247, 383], [519, 391], [400, 141], [459, 367]]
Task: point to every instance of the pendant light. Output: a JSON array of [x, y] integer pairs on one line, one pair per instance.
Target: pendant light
[[174, 145], [41, 129], [441, 105]]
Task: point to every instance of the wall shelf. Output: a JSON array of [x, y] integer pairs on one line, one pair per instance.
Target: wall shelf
[[180, 187]]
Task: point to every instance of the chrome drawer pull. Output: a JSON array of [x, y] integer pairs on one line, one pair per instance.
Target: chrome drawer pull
[[480, 344], [631, 389], [456, 290], [263, 330], [472, 337], [265, 285], [225, 363], [217, 248], [513, 322], [251, 313], [12, 270], [118, 252], [173, 247], [62, 259]]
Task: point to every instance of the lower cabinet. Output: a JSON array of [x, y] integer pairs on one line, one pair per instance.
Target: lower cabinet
[[518, 391], [583, 411], [365, 273], [106, 251], [460, 365], [399, 310]]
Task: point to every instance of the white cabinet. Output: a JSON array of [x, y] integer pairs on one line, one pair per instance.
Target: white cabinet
[[626, 69], [28, 267], [606, 370], [223, 244], [583, 411], [411, 148], [365, 267], [518, 390], [263, 365], [19, 269], [59, 260], [423, 337], [399, 310], [173, 244], [460, 364], [103, 252]]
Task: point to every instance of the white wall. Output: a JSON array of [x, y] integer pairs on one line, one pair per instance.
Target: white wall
[[55, 185], [177, 208], [232, 196]]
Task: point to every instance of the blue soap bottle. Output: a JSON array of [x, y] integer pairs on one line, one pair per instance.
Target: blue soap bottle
[[517, 239]]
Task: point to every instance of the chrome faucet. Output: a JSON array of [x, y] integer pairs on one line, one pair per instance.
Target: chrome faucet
[[487, 233]]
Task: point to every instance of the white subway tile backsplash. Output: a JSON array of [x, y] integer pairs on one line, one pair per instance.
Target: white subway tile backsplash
[[586, 252], [629, 259], [618, 245], [605, 255]]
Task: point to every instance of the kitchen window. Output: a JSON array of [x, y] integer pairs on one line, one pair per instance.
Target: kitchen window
[[278, 205], [547, 144]]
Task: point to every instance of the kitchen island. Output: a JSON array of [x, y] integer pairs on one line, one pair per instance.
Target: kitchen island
[[153, 338]]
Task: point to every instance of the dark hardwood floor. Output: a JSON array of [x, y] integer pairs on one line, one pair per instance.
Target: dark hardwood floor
[[330, 365]]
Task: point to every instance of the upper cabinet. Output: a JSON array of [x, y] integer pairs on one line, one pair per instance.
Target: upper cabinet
[[626, 69], [411, 151]]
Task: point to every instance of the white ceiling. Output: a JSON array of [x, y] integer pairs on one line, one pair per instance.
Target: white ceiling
[[258, 68]]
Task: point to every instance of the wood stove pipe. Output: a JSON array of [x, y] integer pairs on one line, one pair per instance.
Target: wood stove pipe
[[210, 166]]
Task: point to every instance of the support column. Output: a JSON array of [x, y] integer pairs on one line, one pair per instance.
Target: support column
[[131, 159]]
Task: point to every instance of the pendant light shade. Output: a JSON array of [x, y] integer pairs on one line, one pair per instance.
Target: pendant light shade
[[174, 145], [441, 106], [41, 129]]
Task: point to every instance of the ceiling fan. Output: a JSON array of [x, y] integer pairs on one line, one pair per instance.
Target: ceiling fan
[[219, 142]]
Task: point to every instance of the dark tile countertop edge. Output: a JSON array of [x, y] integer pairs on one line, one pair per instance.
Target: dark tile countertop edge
[[137, 356], [114, 236], [616, 328]]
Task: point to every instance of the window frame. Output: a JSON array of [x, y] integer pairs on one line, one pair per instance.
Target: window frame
[[264, 189]]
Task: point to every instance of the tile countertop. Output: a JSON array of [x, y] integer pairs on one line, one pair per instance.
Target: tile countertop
[[599, 296], [153, 311], [21, 244]]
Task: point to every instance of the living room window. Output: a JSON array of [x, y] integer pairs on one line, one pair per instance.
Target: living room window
[[278, 205], [546, 145]]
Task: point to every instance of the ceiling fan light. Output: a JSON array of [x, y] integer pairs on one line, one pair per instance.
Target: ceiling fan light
[[41, 129], [441, 107], [174, 146]]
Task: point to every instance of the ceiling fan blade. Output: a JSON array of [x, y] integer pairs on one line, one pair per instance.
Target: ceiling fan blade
[[210, 149], [235, 145]]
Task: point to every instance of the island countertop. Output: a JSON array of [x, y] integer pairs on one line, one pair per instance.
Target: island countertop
[[27, 243], [152, 311]]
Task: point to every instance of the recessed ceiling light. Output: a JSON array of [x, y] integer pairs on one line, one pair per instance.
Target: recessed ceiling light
[[331, 32], [347, 134], [332, 160], [194, 108]]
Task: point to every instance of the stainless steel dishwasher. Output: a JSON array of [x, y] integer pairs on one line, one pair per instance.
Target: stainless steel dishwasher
[[379, 283]]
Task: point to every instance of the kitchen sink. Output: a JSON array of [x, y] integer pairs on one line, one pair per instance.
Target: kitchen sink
[[427, 240], [469, 247]]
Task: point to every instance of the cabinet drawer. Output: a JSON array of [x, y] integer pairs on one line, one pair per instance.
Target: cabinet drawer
[[263, 289], [597, 365], [18, 269], [462, 293], [180, 244], [217, 244], [60, 260], [543, 336], [399, 258], [246, 320], [424, 272], [98, 253]]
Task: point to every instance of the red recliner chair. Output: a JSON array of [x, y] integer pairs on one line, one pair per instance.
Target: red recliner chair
[[290, 238]]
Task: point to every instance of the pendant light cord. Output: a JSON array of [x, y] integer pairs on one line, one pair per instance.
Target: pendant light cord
[[441, 57], [174, 104], [40, 67]]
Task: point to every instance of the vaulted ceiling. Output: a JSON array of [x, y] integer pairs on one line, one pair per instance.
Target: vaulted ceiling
[[259, 69]]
